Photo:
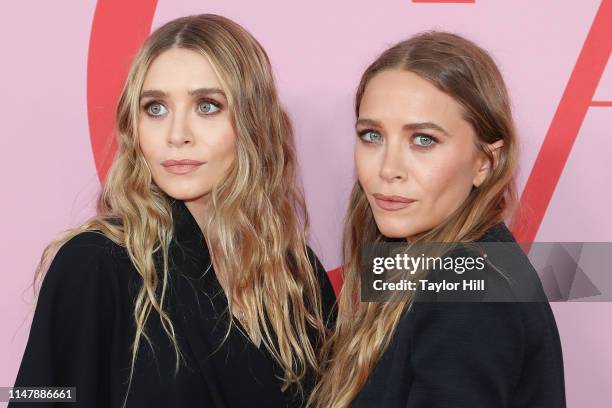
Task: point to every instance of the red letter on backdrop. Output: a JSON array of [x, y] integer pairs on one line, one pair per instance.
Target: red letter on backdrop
[[575, 102], [118, 30]]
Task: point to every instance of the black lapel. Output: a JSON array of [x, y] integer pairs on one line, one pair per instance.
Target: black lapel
[[499, 232], [195, 283], [201, 306]]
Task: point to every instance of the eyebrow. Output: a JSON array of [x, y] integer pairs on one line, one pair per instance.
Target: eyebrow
[[407, 126], [155, 93]]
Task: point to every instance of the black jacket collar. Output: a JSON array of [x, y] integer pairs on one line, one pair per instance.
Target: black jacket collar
[[197, 297], [186, 229], [188, 246], [497, 233]]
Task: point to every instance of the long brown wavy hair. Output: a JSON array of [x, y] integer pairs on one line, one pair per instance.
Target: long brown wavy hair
[[258, 221], [469, 75]]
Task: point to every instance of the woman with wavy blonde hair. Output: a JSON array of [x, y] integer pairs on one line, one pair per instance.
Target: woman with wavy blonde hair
[[435, 156], [193, 285]]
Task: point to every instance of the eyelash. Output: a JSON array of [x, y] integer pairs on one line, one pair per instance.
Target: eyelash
[[361, 134], [218, 105]]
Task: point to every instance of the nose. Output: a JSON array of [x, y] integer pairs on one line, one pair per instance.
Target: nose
[[180, 129], [393, 167]]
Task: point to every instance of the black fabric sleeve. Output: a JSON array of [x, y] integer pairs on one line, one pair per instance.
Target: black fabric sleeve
[[70, 337], [465, 354]]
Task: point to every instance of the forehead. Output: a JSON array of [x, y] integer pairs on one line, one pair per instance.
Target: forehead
[[179, 69], [400, 95]]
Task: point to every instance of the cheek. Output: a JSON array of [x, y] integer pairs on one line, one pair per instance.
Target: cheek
[[447, 183], [365, 165], [221, 143], [227, 146], [148, 141]]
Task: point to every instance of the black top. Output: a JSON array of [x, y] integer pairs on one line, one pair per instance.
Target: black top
[[83, 329], [472, 354]]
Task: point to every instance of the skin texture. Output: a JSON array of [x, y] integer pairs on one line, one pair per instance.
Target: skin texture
[[178, 125], [413, 142]]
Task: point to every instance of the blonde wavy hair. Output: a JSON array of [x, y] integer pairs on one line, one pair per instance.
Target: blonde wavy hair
[[258, 220], [467, 73]]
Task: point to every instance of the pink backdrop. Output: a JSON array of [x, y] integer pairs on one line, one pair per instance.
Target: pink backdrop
[[318, 49]]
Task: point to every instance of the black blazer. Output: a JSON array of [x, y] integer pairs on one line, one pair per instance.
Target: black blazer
[[473, 354], [83, 329]]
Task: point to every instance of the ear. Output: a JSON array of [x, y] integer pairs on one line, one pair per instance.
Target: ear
[[484, 165]]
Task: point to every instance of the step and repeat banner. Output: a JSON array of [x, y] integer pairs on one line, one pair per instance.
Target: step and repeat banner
[[65, 62]]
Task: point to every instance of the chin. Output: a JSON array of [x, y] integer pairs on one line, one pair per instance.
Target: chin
[[185, 194], [392, 227]]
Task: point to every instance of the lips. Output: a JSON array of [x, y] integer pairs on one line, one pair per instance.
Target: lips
[[181, 162], [182, 166], [392, 202]]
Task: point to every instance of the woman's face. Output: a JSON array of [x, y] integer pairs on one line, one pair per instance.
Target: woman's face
[[184, 130], [416, 156]]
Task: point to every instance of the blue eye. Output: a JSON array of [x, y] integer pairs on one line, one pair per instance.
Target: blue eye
[[370, 136], [155, 109], [207, 107], [422, 140]]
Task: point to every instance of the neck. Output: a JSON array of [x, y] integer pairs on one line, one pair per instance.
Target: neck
[[197, 208]]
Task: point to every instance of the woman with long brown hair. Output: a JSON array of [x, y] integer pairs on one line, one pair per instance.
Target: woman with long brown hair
[[193, 284], [435, 156]]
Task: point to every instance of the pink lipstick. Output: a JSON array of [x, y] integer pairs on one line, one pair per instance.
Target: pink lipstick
[[392, 202], [183, 166]]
